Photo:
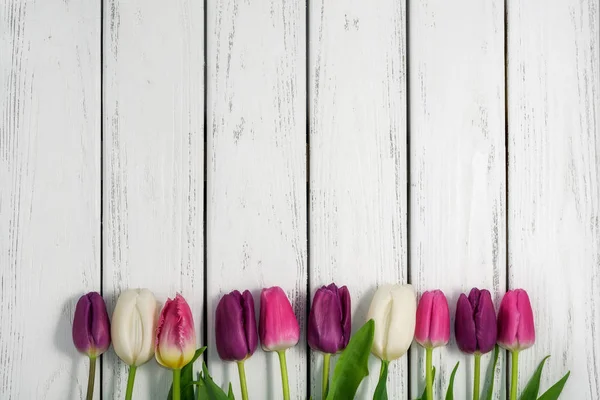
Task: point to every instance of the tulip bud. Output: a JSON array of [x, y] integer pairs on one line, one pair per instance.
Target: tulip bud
[[433, 320], [175, 334], [475, 324], [393, 310], [329, 321], [91, 326], [235, 326], [516, 330], [134, 325], [278, 328]]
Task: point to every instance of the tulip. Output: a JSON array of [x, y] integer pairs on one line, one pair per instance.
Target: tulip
[[475, 328], [235, 331], [91, 332], [278, 328], [133, 327], [329, 325], [516, 330], [433, 329], [175, 339], [393, 310]]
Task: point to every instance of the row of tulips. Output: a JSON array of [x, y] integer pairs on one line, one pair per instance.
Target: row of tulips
[[139, 332]]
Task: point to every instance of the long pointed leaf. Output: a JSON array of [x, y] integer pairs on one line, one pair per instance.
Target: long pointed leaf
[[424, 394], [533, 386], [490, 390], [556, 389], [381, 389], [213, 391], [353, 364], [230, 393], [450, 391]]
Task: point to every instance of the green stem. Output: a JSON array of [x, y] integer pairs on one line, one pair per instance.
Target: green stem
[[130, 380], [176, 384], [91, 379], [242, 374], [428, 372], [284, 375], [476, 376], [325, 381], [514, 382]]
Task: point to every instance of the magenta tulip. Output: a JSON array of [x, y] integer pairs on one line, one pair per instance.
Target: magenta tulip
[[475, 323], [516, 330], [91, 326], [329, 321], [175, 335], [278, 328], [433, 320], [235, 326]]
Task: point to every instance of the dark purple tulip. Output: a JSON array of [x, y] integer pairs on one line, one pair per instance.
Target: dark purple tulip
[[475, 324], [235, 326], [329, 322], [91, 326]]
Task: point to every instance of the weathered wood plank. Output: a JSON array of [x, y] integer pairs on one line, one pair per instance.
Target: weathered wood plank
[[49, 191], [457, 158], [153, 163], [554, 184], [256, 170], [358, 158]]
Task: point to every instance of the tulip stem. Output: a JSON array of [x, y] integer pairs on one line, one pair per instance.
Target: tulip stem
[[428, 372], [476, 376], [284, 375], [130, 380], [91, 379], [176, 384], [325, 381], [242, 374], [514, 382]]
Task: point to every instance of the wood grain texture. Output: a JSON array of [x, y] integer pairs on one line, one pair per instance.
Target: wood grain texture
[[256, 171], [153, 163], [554, 184], [49, 191], [358, 159], [457, 161]]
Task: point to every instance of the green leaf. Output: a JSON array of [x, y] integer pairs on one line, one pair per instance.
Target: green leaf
[[424, 394], [450, 391], [201, 392], [187, 376], [492, 373], [352, 367], [230, 395], [533, 386], [213, 391], [381, 389], [556, 389]]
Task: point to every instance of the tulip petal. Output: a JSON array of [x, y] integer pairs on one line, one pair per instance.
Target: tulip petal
[[249, 322], [380, 312], [508, 321], [345, 301], [526, 330], [278, 328], [464, 326], [485, 322], [424, 312], [324, 321], [439, 333], [175, 334], [229, 328], [81, 335], [121, 326], [402, 321]]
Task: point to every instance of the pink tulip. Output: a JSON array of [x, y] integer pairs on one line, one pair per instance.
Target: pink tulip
[[278, 327], [433, 320], [516, 330], [175, 334]]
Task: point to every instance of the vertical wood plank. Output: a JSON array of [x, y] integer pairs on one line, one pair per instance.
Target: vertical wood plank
[[153, 163], [256, 171], [49, 191], [554, 184], [358, 159], [457, 150]]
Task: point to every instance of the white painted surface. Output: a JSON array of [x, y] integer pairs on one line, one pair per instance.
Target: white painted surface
[[256, 171], [554, 184], [358, 159], [457, 176], [361, 232], [153, 164], [49, 191]]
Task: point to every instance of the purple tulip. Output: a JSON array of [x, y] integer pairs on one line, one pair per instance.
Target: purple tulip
[[235, 326], [516, 330], [329, 322], [475, 324], [91, 326]]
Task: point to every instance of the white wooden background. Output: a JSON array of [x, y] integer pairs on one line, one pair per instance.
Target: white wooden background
[[206, 146]]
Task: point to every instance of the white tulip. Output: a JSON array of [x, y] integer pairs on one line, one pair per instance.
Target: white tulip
[[393, 309], [133, 326]]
